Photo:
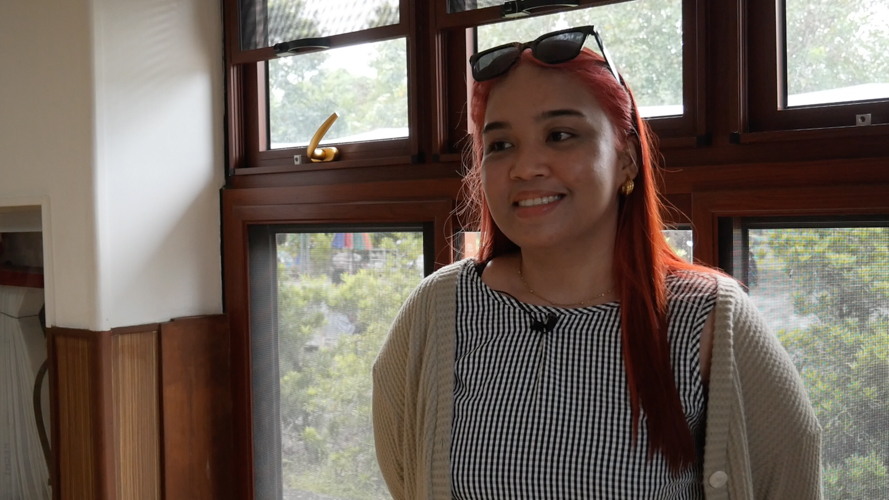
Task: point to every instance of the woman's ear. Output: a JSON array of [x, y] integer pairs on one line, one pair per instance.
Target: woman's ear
[[629, 158]]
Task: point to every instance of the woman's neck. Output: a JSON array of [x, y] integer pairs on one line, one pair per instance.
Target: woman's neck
[[570, 276]]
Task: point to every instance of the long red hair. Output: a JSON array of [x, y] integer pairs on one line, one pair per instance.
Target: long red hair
[[642, 257]]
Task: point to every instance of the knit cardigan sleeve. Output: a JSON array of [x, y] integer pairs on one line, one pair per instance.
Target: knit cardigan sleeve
[[772, 440], [410, 384]]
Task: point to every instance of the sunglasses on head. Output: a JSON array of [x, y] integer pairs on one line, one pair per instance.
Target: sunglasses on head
[[551, 48]]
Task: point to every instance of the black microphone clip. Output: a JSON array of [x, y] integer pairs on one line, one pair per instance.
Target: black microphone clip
[[548, 327]]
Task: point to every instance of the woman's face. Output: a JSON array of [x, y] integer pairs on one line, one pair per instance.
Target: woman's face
[[552, 166]]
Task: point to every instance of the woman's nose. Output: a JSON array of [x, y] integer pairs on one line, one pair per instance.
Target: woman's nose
[[529, 163]]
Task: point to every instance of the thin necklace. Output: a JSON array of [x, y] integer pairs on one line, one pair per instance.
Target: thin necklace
[[555, 304]]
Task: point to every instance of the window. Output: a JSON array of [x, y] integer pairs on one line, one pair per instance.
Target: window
[[815, 64], [267, 23], [323, 300], [464, 5], [652, 64], [823, 288], [365, 84], [682, 242], [660, 66], [293, 63], [836, 55]]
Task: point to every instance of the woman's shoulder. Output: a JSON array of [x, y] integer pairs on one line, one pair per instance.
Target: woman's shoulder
[[443, 280], [447, 273], [693, 284]]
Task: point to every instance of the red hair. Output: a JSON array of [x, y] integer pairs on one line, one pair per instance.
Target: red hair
[[642, 257]]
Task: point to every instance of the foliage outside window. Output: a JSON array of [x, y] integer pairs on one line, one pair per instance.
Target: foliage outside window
[[826, 294], [680, 240], [837, 50], [643, 37], [337, 296], [366, 85]]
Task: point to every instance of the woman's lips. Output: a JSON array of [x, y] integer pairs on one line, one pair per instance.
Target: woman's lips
[[536, 205]]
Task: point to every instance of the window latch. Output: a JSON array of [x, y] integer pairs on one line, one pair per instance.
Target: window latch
[[317, 154], [522, 8]]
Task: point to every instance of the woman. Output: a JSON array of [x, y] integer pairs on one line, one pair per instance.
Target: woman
[[578, 356]]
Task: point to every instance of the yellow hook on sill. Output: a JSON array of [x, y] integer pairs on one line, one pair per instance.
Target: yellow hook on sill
[[317, 154]]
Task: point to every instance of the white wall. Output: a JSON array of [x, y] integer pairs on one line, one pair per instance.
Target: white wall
[[46, 140], [159, 162], [111, 111]]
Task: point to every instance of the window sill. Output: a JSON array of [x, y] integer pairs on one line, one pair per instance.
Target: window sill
[[330, 165], [810, 134]]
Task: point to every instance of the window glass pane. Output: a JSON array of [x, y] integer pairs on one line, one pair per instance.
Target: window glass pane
[[467, 243], [366, 85], [837, 51], [825, 292], [267, 22], [680, 240], [643, 37], [464, 5], [337, 294]]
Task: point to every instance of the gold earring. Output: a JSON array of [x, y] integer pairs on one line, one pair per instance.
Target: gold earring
[[627, 187]]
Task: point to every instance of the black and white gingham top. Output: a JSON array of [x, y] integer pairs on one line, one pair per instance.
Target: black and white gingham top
[[547, 415]]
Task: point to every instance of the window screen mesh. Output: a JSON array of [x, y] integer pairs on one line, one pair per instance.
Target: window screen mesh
[[267, 22], [464, 5], [321, 305], [825, 293], [681, 241]]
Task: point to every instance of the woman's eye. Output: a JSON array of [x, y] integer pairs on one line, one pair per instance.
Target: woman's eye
[[559, 136], [498, 146]]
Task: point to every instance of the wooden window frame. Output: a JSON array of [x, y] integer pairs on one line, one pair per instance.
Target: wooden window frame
[[734, 244], [825, 201], [247, 118], [394, 202], [688, 130], [764, 59]]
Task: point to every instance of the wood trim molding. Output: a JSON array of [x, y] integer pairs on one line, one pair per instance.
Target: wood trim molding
[[775, 175], [242, 208], [708, 207]]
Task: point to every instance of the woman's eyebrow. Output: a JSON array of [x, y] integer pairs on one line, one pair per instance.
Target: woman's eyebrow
[[494, 126], [546, 115], [555, 113]]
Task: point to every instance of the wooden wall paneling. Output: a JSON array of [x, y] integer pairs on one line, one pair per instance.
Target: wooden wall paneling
[[677, 209], [136, 412], [82, 428], [197, 409]]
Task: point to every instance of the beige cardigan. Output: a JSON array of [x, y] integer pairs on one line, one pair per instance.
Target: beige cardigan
[[762, 439]]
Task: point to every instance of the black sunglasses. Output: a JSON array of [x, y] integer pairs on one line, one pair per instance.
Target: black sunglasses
[[551, 48]]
